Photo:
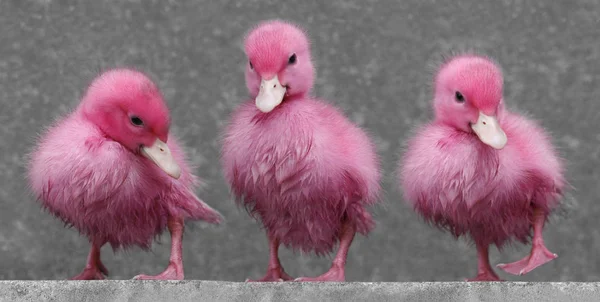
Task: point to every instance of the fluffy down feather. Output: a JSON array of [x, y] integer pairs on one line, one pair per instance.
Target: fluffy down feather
[[302, 170]]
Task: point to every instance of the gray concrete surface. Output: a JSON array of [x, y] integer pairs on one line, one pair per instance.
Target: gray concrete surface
[[373, 60], [213, 291]]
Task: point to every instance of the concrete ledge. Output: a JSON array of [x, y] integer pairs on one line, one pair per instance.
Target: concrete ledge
[[193, 290]]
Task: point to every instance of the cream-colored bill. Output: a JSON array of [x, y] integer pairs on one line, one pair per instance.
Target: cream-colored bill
[[160, 154], [270, 94], [489, 131]]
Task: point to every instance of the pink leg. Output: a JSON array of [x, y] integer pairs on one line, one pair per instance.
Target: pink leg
[[174, 270], [275, 272], [539, 254], [337, 271], [484, 270], [94, 269]]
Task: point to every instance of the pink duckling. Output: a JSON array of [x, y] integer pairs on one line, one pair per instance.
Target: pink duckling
[[295, 162], [481, 171], [108, 170]]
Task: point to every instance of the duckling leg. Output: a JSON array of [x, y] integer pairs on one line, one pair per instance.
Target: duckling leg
[[174, 270], [484, 270], [539, 254], [94, 269], [337, 271], [275, 272]]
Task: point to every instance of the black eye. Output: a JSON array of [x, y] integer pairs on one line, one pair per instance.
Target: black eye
[[292, 59], [136, 121], [251, 66], [459, 97]]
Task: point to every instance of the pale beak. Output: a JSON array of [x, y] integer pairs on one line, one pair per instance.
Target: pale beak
[[160, 154], [270, 94], [489, 132]]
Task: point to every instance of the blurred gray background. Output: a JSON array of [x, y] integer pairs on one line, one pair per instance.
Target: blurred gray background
[[374, 59]]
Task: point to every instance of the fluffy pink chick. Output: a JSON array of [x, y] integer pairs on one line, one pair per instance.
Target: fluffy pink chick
[[108, 170], [480, 170], [296, 163]]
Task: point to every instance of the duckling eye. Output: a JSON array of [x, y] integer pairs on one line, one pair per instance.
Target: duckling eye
[[251, 66], [136, 121], [459, 97], [292, 60]]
